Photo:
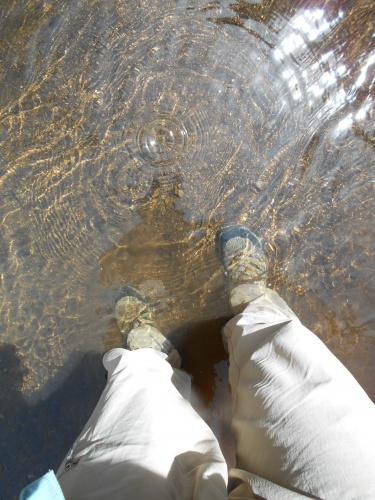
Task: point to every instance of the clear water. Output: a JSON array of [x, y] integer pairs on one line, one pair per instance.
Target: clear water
[[130, 132]]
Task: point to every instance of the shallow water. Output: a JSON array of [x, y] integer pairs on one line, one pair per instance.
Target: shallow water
[[130, 133]]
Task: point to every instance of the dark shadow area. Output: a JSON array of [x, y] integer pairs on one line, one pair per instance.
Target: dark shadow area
[[204, 357], [34, 439], [201, 348]]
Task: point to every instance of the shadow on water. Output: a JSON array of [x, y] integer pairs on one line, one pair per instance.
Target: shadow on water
[[204, 357], [34, 439]]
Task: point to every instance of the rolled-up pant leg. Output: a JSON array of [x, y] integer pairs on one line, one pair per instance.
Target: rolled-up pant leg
[[144, 440], [300, 419]]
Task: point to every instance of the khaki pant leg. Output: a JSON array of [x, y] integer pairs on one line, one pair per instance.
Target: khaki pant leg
[[144, 440], [300, 419]]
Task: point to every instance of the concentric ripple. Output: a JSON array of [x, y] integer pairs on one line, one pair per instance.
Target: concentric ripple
[[161, 140]]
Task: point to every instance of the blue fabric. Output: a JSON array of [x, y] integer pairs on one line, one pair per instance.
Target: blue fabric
[[44, 488]]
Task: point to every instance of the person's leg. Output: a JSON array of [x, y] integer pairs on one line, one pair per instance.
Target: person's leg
[[300, 419], [144, 440]]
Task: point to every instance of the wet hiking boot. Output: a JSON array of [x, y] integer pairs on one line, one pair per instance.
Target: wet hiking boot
[[135, 319], [242, 255]]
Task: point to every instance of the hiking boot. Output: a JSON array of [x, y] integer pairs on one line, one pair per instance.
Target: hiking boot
[[242, 255], [135, 319]]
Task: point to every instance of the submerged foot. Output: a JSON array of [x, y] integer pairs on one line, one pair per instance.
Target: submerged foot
[[242, 254], [135, 319]]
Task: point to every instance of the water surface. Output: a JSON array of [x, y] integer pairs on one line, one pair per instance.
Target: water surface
[[130, 132]]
